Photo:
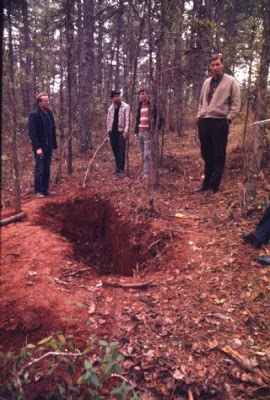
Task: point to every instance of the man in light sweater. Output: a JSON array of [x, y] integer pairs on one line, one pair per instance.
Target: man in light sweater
[[219, 104], [118, 128]]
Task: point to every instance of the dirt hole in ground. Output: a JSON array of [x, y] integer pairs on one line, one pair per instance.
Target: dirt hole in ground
[[99, 237]]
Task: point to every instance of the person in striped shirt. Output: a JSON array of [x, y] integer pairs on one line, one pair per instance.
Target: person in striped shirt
[[142, 129]]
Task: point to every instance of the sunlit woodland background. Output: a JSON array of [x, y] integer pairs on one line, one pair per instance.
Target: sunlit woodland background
[[78, 50]]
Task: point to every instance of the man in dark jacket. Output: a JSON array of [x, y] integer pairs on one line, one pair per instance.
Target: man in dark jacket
[[42, 133]]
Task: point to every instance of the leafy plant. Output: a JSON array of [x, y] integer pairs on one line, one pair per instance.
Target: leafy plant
[[92, 373]]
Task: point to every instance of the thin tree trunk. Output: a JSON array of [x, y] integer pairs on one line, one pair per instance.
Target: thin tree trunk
[[29, 89], [13, 119], [261, 102], [201, 41], [69, 36], [79, 48], [249, 83], [110, 73], [179, 72], [261, 98], [118, 42], [99, 60], [155, 85], [87, 75], [153, 178], [61, 113], [142, 19]]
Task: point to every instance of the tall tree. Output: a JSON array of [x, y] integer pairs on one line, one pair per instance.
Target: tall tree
[[200, 43], [157, 15], [261, 100], [13, 116], [70, 76], [61, 111], [87, 74], [248, 92], [28, 79], [179, 72], [119, 28], [99, 63]]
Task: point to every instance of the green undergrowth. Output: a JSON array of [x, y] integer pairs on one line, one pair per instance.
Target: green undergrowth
[[67, 372]]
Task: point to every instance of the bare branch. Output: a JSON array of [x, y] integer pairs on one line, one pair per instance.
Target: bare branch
[[50, 353], [92, 159]]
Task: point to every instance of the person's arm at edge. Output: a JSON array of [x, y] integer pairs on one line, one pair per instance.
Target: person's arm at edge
[[108, 121], [201, 101], [32, 127], [54, 132], [235, 101]]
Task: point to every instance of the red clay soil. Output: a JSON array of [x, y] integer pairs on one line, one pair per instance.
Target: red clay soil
[[200, 330]]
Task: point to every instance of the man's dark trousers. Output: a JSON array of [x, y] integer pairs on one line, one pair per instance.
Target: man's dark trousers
[[118, 144], [42, 172], [262, 232], [213, 134]]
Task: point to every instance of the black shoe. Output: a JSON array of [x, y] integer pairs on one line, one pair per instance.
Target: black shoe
[[199, 189], [209, 192], [264, 260], [251, 239], [40, 195]]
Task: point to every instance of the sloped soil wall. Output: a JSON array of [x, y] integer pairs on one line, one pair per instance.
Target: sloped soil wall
[[99, 237]]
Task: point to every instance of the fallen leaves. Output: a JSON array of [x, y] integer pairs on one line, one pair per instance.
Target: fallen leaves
[[209, 294], [248, 364], [91, 308]]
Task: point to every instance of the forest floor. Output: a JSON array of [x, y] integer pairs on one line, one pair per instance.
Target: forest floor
[[199, 328]]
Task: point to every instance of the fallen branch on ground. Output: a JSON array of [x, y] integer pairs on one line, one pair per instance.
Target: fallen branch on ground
[[74, 273], [134, 285], [13, 218], [92, 159], [50, 353], [124, 379], [244, 363]]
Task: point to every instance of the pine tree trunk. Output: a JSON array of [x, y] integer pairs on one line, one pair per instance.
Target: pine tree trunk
[[99, 60], [70, 76], [79, 26], [118, 43], [87, 75], [135, 57], [249, 83], [179, 73], [27, 81], [13, 119], [61, 112], [261, 103]]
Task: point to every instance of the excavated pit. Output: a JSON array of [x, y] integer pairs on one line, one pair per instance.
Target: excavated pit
[[99, 237]]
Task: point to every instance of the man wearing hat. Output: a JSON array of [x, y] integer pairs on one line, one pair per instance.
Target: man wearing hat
[[118, 128]]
